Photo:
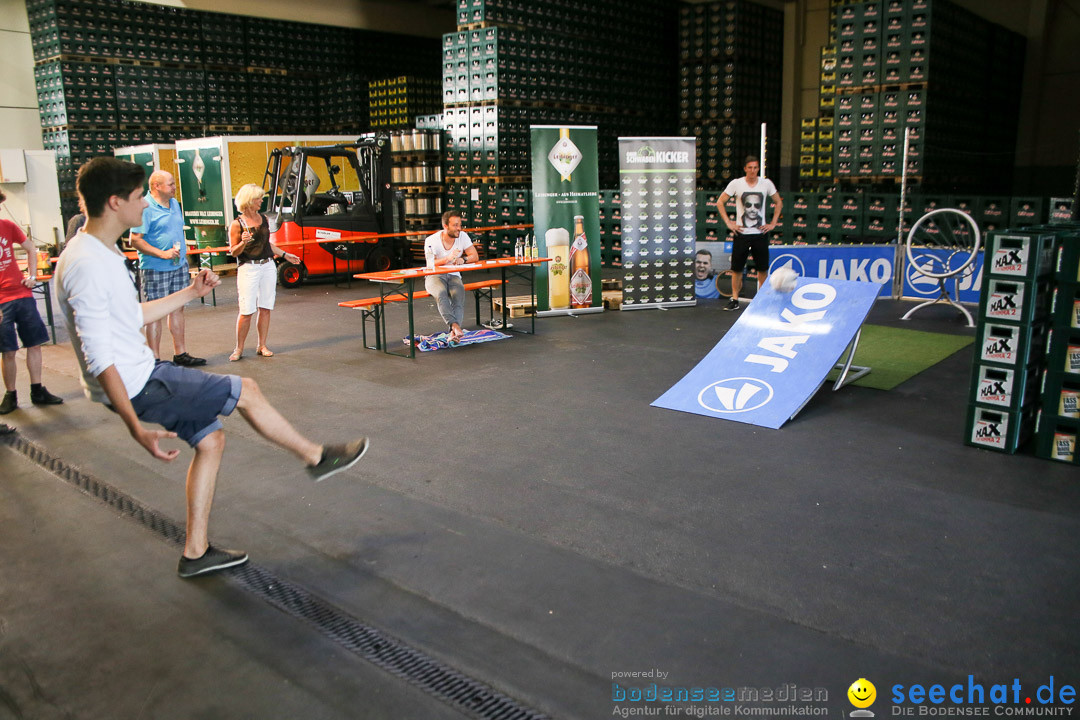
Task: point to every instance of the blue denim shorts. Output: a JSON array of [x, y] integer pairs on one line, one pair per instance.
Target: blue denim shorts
[[22, 315], [186, 401]]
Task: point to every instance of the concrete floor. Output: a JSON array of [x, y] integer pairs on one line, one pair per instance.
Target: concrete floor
[[526, 518]]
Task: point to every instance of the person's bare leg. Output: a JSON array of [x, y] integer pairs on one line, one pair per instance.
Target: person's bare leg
[[262, 327], [201, 481], [153, 337], [736, 284], [761, 277], [176, 329], [7, 367], [33, 364], [243, 324], [269, 423]]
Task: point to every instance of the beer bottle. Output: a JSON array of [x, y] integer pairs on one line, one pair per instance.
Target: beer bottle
[[534, 252], [580, 281]]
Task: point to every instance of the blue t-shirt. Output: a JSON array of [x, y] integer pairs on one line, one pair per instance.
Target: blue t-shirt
[[706, 288], [162, 227]]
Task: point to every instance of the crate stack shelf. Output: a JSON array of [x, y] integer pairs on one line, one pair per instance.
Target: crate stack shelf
[[729, 84], [1011, 339], [417, 173], [119, 73], [510, 65], [395, 102], [1058, 425]]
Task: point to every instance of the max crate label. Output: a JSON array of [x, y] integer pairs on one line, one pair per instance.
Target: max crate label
[[1021, 255], [1010, 344], [990, 429], [1005, 301], [997, 386]]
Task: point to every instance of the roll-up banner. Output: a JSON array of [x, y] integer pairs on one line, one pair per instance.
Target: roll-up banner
[[659, 220], [566, 219]]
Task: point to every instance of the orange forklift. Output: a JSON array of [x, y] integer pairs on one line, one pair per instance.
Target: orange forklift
[[325, 204]]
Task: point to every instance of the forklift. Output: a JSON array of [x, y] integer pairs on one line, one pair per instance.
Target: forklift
[[333, 228]]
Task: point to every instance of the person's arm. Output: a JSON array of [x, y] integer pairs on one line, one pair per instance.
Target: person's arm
[[471, 255], [146, 248], [110, 381], [278, 252], [31, 262], [778, 205], [200, 286], [238, 239], [721, 205]]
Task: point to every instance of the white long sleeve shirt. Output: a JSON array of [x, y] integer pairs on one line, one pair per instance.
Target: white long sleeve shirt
[[103, 316]]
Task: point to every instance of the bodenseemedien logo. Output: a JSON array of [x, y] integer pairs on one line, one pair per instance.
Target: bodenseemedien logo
[[862, 694]]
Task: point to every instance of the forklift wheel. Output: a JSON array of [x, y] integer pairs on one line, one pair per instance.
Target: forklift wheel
[[290, 275], [378, 261]]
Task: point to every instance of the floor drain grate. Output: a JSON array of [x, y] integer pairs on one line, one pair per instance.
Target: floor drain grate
[[438, 680]]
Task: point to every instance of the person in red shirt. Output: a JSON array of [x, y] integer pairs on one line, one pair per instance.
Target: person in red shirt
[[21, 319]]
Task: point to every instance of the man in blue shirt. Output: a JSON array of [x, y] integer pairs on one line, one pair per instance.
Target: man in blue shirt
[[163, 261]]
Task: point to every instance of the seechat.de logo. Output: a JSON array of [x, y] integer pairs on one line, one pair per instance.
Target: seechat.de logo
[[735, 395]]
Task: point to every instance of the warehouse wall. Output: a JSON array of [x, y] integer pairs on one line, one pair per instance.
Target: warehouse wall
[[1049, 135], [18, 97]]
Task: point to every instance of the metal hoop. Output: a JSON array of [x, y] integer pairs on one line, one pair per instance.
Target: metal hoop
[[960, 241]]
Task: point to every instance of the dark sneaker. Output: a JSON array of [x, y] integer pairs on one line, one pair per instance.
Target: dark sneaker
[[336, 458], [211, 561], [42, 396], [10, 402], [733, 304], [185, 360], [6, 429]]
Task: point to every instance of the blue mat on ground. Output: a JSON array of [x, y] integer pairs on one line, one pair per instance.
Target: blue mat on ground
[[776, 355], [441, 341]]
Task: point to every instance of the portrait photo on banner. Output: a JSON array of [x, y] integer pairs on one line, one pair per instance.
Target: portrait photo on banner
[[711, 261]]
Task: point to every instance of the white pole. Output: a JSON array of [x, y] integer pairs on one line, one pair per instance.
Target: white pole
[[901, 255], [762, 154]]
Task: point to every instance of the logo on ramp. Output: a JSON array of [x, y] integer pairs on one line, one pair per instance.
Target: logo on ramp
[[735, 395], [788, 260]]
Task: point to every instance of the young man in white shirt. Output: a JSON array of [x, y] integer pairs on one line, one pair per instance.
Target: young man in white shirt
[[751, 230], [105, 321], [450, 246]]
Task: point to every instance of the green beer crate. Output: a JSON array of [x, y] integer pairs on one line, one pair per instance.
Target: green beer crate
[[1008, 344], [1005, 388], [1056, 438], [999, 430], [1009, 300]]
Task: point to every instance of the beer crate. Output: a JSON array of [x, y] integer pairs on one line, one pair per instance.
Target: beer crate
[[1009, 300], [1063, 351], [1067, 265], [1020, 256], [1027, 211], [1065, 307], [1061, 394], [1008, 344], [1005, 388], [1056, 439], [1061, 209], [999, 430]]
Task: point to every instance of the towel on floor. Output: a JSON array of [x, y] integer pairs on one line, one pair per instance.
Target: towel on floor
[[441, 341]]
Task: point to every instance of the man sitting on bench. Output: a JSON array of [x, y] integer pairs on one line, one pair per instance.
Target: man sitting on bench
[[449, 246]]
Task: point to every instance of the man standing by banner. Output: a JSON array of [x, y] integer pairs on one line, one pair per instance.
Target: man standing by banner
[[750, 229]]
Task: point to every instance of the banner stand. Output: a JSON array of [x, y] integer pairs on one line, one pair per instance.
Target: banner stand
[[569, 313], [660, 306]]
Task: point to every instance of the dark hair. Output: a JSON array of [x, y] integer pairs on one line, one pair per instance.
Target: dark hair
[[103, 177], [3, 197], [751, 158], [703, 251], [450, 214]]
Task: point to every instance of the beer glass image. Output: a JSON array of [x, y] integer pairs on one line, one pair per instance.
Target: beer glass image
[[558, 249]]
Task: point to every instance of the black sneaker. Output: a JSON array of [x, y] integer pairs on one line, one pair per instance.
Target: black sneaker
[[733, 304], [185, 360], [42, 396], [6, 429], [10, 402], [211, 561], [336, 458]]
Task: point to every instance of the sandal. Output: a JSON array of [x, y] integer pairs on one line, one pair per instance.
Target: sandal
[[236, 355], [264, 351]]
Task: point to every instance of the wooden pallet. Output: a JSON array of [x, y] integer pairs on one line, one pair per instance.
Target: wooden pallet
[[519, 306]]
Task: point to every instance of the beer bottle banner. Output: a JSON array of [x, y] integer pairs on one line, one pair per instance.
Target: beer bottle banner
[[659, 220], [566, 219]]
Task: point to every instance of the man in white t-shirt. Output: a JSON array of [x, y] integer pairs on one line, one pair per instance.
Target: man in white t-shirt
[[450, 246], [749, 226], [105, 321]]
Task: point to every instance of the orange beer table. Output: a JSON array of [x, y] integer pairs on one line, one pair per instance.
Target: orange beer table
[[392, 282]]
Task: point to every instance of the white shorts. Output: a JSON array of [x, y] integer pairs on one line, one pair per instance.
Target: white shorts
[[256, 286]]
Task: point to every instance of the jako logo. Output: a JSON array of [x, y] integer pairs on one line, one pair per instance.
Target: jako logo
[[789, 261], [735, 395]]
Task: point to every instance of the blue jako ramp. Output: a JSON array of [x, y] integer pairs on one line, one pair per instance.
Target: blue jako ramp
[[776, 356]]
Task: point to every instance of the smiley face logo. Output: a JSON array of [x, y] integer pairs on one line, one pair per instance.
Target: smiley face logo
[[862, 693]]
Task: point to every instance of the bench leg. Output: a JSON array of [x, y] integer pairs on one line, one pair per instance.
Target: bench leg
[[372, 313], [484, 293]]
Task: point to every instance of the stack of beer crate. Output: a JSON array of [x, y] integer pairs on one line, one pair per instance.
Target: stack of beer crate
[[1012, 338], [1059, 420]]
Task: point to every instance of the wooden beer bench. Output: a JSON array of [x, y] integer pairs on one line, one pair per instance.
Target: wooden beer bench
[[371, 308]]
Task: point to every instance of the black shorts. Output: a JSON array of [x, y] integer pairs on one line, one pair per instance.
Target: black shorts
[[747, 245]]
